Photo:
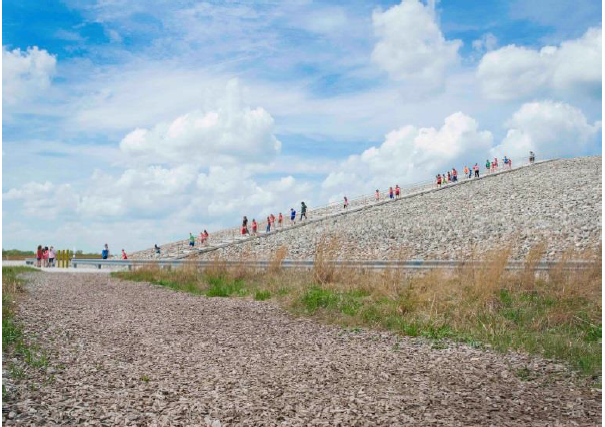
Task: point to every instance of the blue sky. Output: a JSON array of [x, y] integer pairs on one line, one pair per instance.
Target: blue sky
[[133, 123]]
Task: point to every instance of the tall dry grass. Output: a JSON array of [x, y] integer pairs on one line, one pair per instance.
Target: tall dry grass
[[556, 312]]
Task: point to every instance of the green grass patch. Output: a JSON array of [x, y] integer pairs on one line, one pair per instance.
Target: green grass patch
[[14, 341], [262, 295]]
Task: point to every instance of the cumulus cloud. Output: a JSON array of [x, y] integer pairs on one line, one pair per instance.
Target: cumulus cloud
[[410, 154], [230, 132], [26, 74], [410, 44], [550, 129], [574, 67], [487, 42], [44, 200]]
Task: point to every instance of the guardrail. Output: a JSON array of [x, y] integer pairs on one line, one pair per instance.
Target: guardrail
[[333, 210], [233, 234], [414, 264]]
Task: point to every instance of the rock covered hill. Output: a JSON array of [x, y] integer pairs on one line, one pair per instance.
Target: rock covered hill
[[558, 203]]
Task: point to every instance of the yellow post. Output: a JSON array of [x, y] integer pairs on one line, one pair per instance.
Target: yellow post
[[59, 258]]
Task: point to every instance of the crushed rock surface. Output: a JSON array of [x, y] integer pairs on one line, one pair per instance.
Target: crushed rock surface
[[125, 353]]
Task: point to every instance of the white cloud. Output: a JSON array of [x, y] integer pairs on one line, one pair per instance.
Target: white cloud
[[26, 74], [231, 131], [411, 46], [487, 42], [44, 200], [574, 67], [550, 129], [410, 154]]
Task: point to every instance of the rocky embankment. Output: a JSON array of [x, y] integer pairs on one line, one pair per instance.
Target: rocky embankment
[[558, 203]]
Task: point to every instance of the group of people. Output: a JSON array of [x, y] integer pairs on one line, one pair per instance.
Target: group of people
[[105, 252], [271, 221], [394, 193], [490, 167], [203, 240], [45, 256]]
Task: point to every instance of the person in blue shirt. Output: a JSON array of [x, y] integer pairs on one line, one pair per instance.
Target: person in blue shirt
[[105, 252], [292, 216]]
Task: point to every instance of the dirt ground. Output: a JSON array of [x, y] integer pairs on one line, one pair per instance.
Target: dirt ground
[[125, 353]]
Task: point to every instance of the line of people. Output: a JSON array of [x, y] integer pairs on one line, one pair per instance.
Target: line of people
[[394, 193], [271, 221], [469, 173]]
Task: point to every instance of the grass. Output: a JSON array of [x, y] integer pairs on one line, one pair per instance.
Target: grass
[[14, 342], [556, 314]]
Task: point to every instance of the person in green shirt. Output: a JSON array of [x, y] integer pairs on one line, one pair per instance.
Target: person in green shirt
[[191, 240], [487, 165], [303, 211]]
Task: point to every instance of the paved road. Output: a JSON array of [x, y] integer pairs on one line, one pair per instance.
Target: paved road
[[133, 353]]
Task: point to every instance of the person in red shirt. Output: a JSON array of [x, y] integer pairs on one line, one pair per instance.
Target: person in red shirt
[[272, 221], [124, 255], [280, 220], [204, 237], [45, 256], [397, 191], [438, 180], [39, 256], [377, 195], [254, 226], [391, 194]]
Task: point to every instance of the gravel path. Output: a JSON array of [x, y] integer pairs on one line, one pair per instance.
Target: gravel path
[[137, 354]]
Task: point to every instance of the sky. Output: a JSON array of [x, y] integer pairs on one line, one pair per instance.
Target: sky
[[134, 123]]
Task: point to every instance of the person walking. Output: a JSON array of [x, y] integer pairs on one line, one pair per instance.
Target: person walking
[[438, 180], [272, 221], [191, 240], [532, 157], [476, 169], [254, 227], [105, 252], [292, 216], [377, 195], [205, 237], [280, 220], [268, 224], [39, 256], [157, 250], [45, 256], [51, 256], [245, 226], [124, 256], [303, 211], [487, 166], [346, 203], [397, 191], [455, 174]]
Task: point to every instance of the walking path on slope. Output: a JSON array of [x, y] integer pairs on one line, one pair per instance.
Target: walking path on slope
[[229, 237], [134, 353]]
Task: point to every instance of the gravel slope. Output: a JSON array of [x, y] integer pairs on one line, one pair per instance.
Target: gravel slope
[[136, 354], [557, 202]]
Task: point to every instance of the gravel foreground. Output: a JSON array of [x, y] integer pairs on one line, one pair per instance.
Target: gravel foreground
[[126, 353]]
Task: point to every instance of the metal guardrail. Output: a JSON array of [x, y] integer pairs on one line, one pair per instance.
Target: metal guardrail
[[367, 203], [233, 234], [414, 264]]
